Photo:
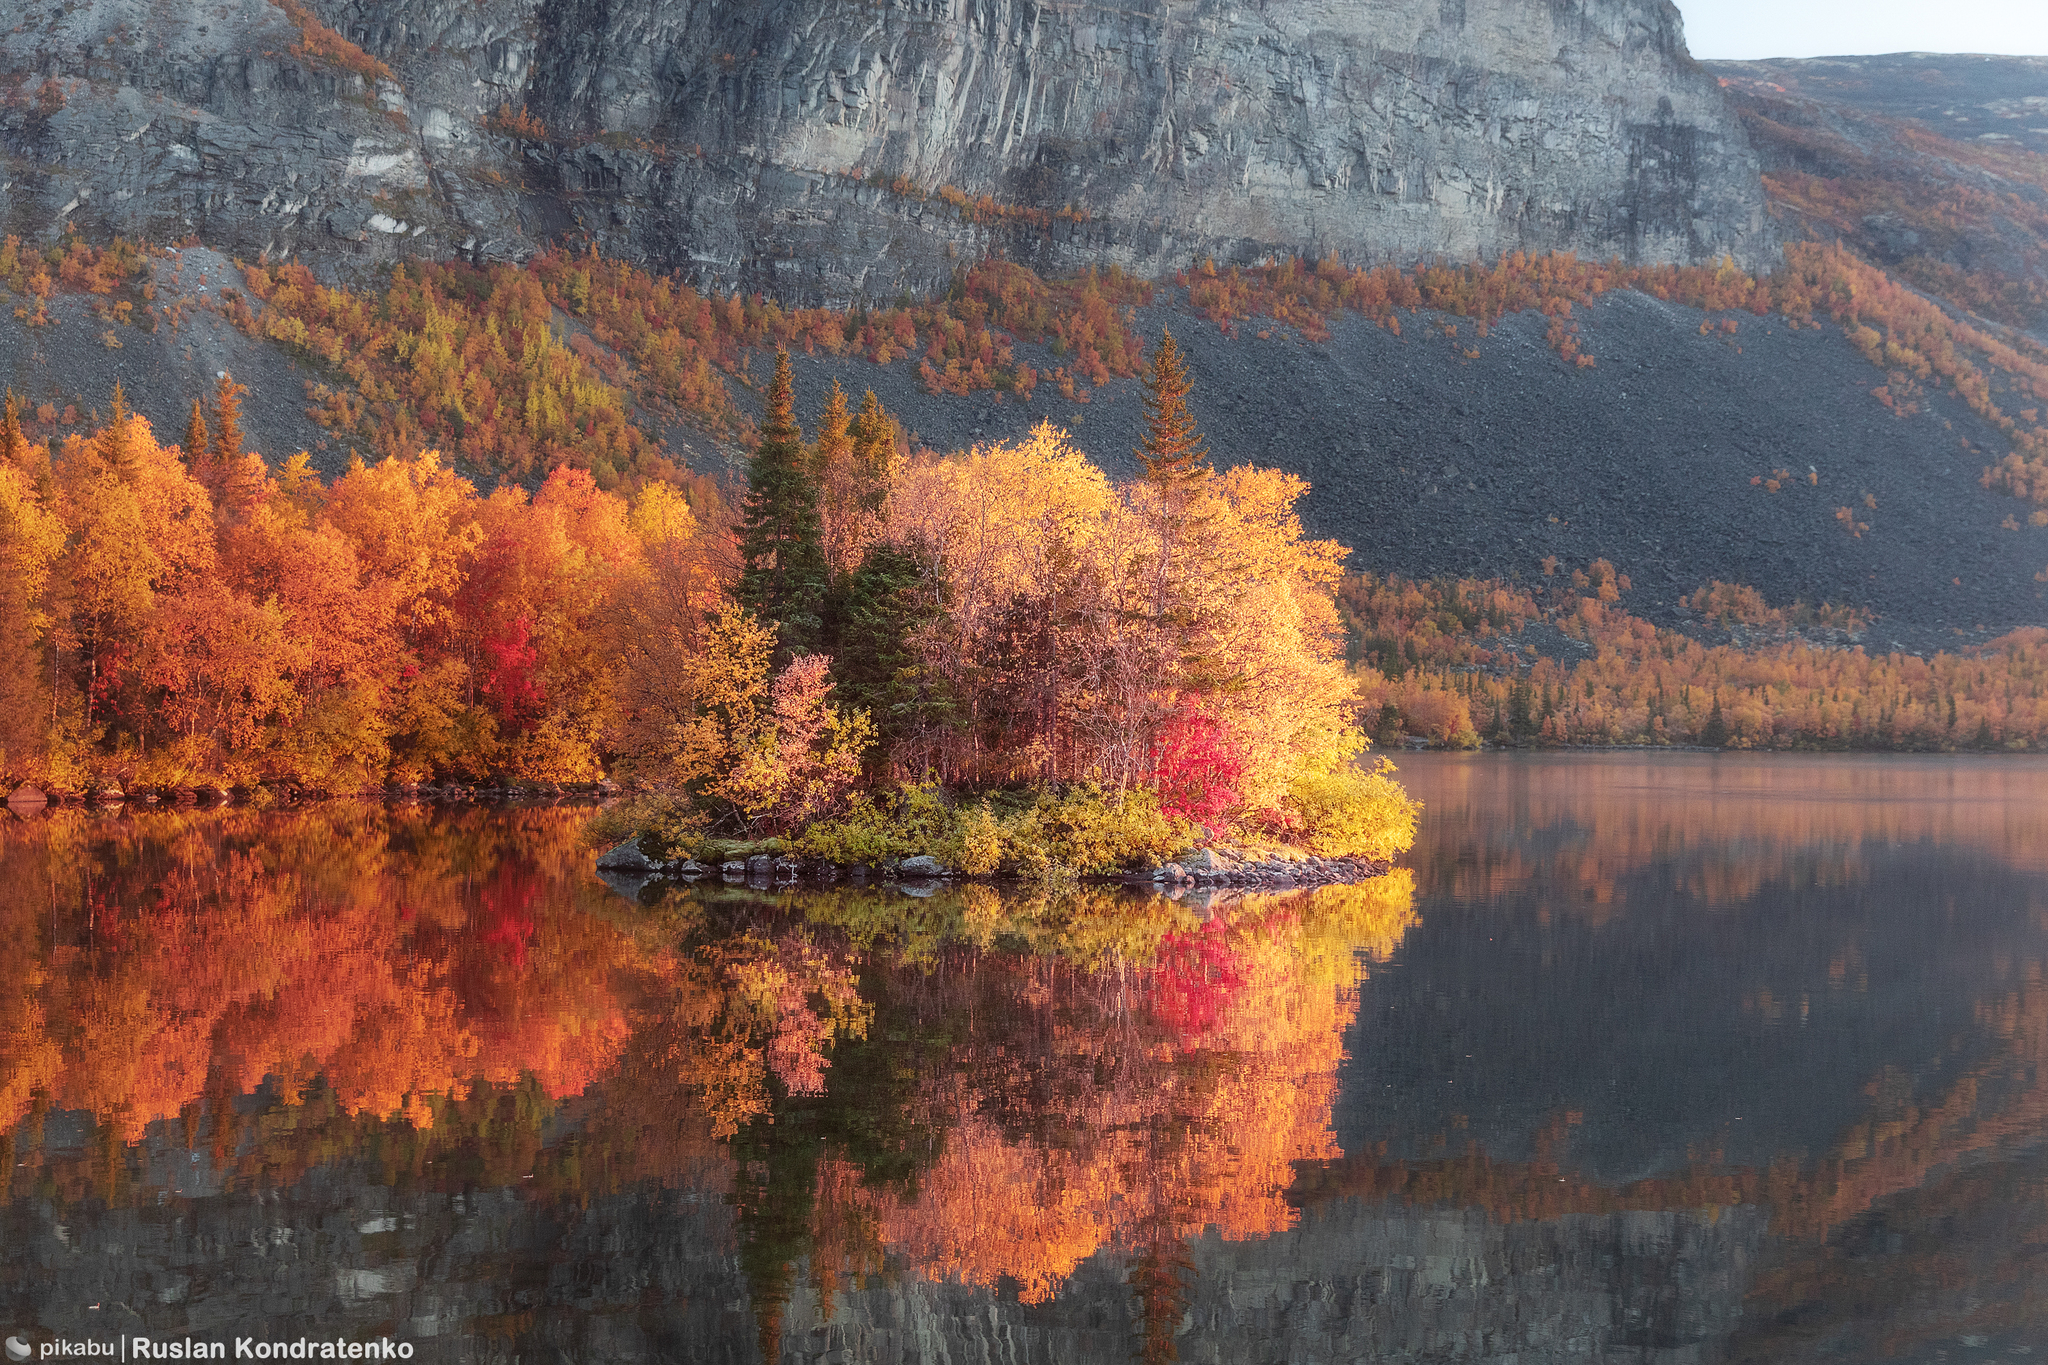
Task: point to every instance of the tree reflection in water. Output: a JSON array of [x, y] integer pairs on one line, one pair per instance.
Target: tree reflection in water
[[1014, 1093]]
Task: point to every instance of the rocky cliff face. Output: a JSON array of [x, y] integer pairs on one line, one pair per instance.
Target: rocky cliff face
[[824, 149]]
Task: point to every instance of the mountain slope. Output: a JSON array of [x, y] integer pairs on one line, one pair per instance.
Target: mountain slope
[[1935, 167], [1684, 447]]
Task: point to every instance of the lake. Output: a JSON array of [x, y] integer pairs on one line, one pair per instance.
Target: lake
[[1672, 1058]]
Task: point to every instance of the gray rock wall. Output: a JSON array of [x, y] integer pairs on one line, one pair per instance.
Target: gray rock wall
[[171, 120], [756, 144]]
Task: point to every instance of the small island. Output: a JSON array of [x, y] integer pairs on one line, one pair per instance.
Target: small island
[[1001, 663]]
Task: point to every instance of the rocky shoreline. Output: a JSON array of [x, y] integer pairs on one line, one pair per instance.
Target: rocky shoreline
[[627, 868], [1285, 869]]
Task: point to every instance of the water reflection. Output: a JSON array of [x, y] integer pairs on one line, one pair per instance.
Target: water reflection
[[1687, 1060], [1808, 987], [987, 1087]]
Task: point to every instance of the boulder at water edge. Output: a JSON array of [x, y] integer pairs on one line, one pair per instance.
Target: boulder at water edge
[[627, 857]]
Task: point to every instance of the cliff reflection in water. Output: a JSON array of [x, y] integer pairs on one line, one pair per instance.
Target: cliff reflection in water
[[1681, 1060]]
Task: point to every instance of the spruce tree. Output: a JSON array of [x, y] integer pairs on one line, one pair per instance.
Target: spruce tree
[[227, 423], [880, 609], [1521, 711], [874, 449], [782, 573], [1714, 734], [198, 443], [1175, 452]]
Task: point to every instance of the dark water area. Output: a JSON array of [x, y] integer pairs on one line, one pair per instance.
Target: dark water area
[[1671, 1058]]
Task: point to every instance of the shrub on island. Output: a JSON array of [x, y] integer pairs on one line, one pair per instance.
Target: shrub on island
[[1353, 813], [1082, 830]]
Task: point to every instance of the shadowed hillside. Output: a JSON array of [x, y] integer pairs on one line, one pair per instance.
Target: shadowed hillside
[[1427, 462], [1682, 446]]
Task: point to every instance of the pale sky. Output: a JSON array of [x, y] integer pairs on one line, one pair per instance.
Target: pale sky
[[1747, 29]]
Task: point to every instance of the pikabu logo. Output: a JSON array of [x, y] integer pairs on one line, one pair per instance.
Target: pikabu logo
[[18, 1349], [53, 1350]]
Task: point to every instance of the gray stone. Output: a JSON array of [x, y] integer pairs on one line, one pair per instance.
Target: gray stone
[[690, 867], [733, 868], [627, 857], [761, 865], [923, 865]]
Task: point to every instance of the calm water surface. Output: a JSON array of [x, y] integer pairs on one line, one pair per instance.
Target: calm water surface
[[1675, 1058]]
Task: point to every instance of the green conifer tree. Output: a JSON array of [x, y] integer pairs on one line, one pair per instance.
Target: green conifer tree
[[835, 433], [1522, 721], [783, 574], [1714, 734], [874, 448], [1175, 452], [878, 611]]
